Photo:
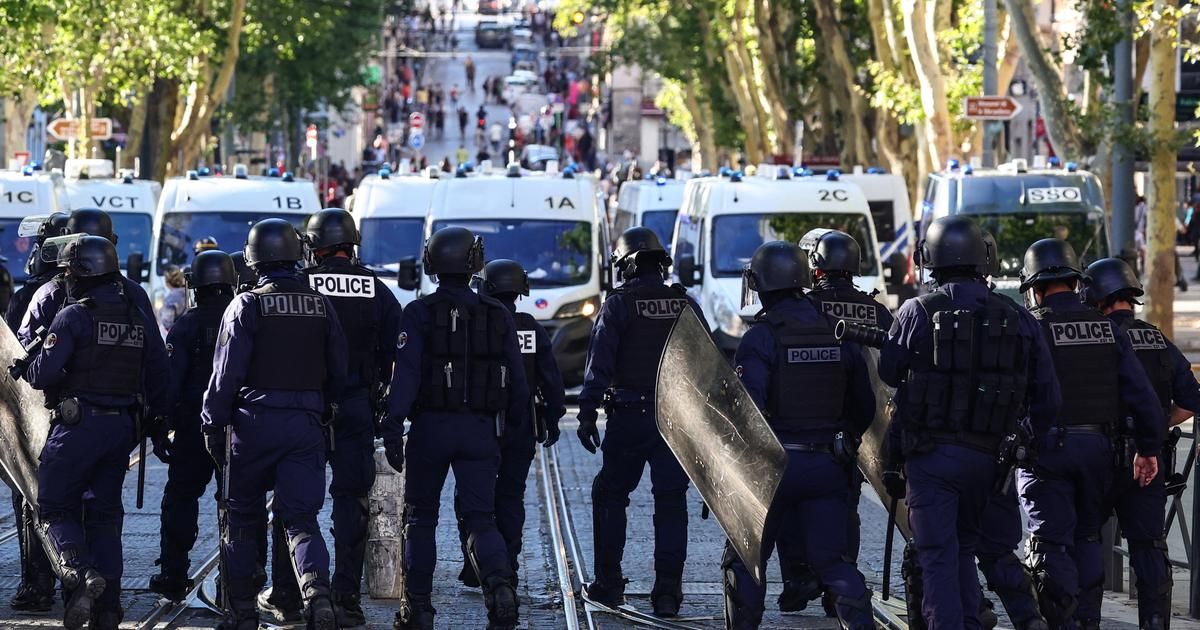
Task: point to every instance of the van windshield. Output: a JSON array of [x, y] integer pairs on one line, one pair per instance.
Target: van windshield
[[387, 240], [662, 223], [180, 231], [736, 236], [554, 253], [1014, 233]]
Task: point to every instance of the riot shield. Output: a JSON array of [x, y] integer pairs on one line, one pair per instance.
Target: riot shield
[[719, 437], [874, 442], [24, 422]]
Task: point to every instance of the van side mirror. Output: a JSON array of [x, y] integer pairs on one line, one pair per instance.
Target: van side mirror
[[687, 272], [408, 274], [896, 268], [136, 269]]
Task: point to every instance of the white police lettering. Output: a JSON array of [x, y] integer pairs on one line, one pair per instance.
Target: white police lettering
[[814, 355], [852, 312], [527, 339], [343, 285], [291, 305], [662, 308], [1147, 339], [1081, 333], [114, 334]]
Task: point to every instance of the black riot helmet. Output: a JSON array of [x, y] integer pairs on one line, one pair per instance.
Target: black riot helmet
[[273, 241], [776, 266], [638, 249], [89, 256], [503, 277], [992, 268], [954, 241], [244, 273], [205, 244], [53, 225], [91, 221], [453, 251], [1049, 259], [212, 268], [1111, 278], [832, 251], [331, 227]]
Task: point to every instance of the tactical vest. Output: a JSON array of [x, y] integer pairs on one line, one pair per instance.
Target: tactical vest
[[112, 364], [1084, 347], [204, 345], [464, 356], [851, 305], [351, 289], [808, 358], [289, 344], [969, 377], [653, 310], [1150, 345], [527, 329]]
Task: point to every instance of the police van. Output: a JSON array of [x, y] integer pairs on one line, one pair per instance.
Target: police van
[[652, 203], [553, 224], [390, 211], [891, 211], [92, 183], [223, 207], [1020, 205], [724, 219], [26, 193]]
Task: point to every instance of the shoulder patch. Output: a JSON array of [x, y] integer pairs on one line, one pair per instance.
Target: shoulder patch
[[402, 341], [51, 341]]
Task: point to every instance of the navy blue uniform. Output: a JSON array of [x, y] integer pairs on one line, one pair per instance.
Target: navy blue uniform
[[280, 357], [51, 297], [950, 480], [444, 438], [620, 373], [191, 343], [19, 304], [107, 373], [1065, 499], [816, 489]]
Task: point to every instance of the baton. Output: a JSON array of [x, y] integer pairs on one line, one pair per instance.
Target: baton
[[889, 538]]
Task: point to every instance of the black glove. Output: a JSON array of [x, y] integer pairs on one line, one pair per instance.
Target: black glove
[[163, 448], [395, 455], [894, 483], [552, 434], [214, 443], [589, 435]]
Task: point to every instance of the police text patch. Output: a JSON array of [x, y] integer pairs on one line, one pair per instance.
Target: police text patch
[[661, 308], [814, 355], [1147, 339], [113, 334], [291, 305], [1081, 333], [343, 285], [527, 340], [852, 312]]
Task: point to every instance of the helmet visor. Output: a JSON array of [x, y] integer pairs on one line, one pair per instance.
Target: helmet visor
[[57, 250], [749, 293], [31, 225]]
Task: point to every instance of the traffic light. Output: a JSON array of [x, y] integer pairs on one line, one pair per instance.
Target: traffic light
[[577, 18]]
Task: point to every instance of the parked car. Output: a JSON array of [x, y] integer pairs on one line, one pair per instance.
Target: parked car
[[491, 34]]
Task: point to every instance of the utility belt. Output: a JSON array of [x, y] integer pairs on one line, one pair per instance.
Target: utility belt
[[985, 442], [69, 411], [843, 448], [626, 399]]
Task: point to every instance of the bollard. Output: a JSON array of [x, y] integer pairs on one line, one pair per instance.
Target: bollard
[[384, 568]]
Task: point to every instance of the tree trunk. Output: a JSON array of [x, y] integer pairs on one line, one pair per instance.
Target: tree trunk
[[137, 127], [842, 73], [739, 41], [18, 110], [1060, 122], [1160, 212], [743, 96], [167, 110], [777, 93], [1141, 59], [922, 42], [704, 148]]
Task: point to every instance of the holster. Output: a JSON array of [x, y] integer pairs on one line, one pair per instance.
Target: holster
[[67, 412]]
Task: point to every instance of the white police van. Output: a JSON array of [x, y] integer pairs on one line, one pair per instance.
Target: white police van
[[554, 225], [26, 193], [390, 210], [651, 203], [92, 183], [223, 207], [1020, 205], [891, 211], [724, 219]]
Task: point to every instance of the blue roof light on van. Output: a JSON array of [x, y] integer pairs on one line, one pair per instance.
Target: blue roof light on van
[[725, 171], [660, 181], [193, 175], [1072, 167], [514, 170], [288, 177], [952, 165], [783, 172], [385, 172], [1054, 162], [27, 171], [204, 172], [875, 170], [968, 170], [127, 178], [273, 172], [736, 176], [833, 174]]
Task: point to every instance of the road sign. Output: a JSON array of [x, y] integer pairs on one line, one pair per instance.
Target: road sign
[[416, 141], [990, 107], [310, 136], [416, 120], [67, 129]]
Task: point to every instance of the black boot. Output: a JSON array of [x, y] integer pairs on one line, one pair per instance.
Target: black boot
[[78, 609], [172, 587], [283, 605], [30, 599], [666, 596], [606, 594], [319, 613], [416, 613], [348, 607], [987, 614], [501, 601], [240, 613], [468, 576], [106, 619], [797, 593]]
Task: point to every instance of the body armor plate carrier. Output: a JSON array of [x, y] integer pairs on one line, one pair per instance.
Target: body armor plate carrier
[[464, 356]]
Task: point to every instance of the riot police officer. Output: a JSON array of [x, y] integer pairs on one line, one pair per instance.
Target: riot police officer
[[191, 343], [622, 365], [946, 432], [459, 374], [35, 593], [370, 317], [94, 366], [505, 281], [1065, 497], [1114, 288], [264, 414], [839, 402], [205, 244], [834, 259]]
